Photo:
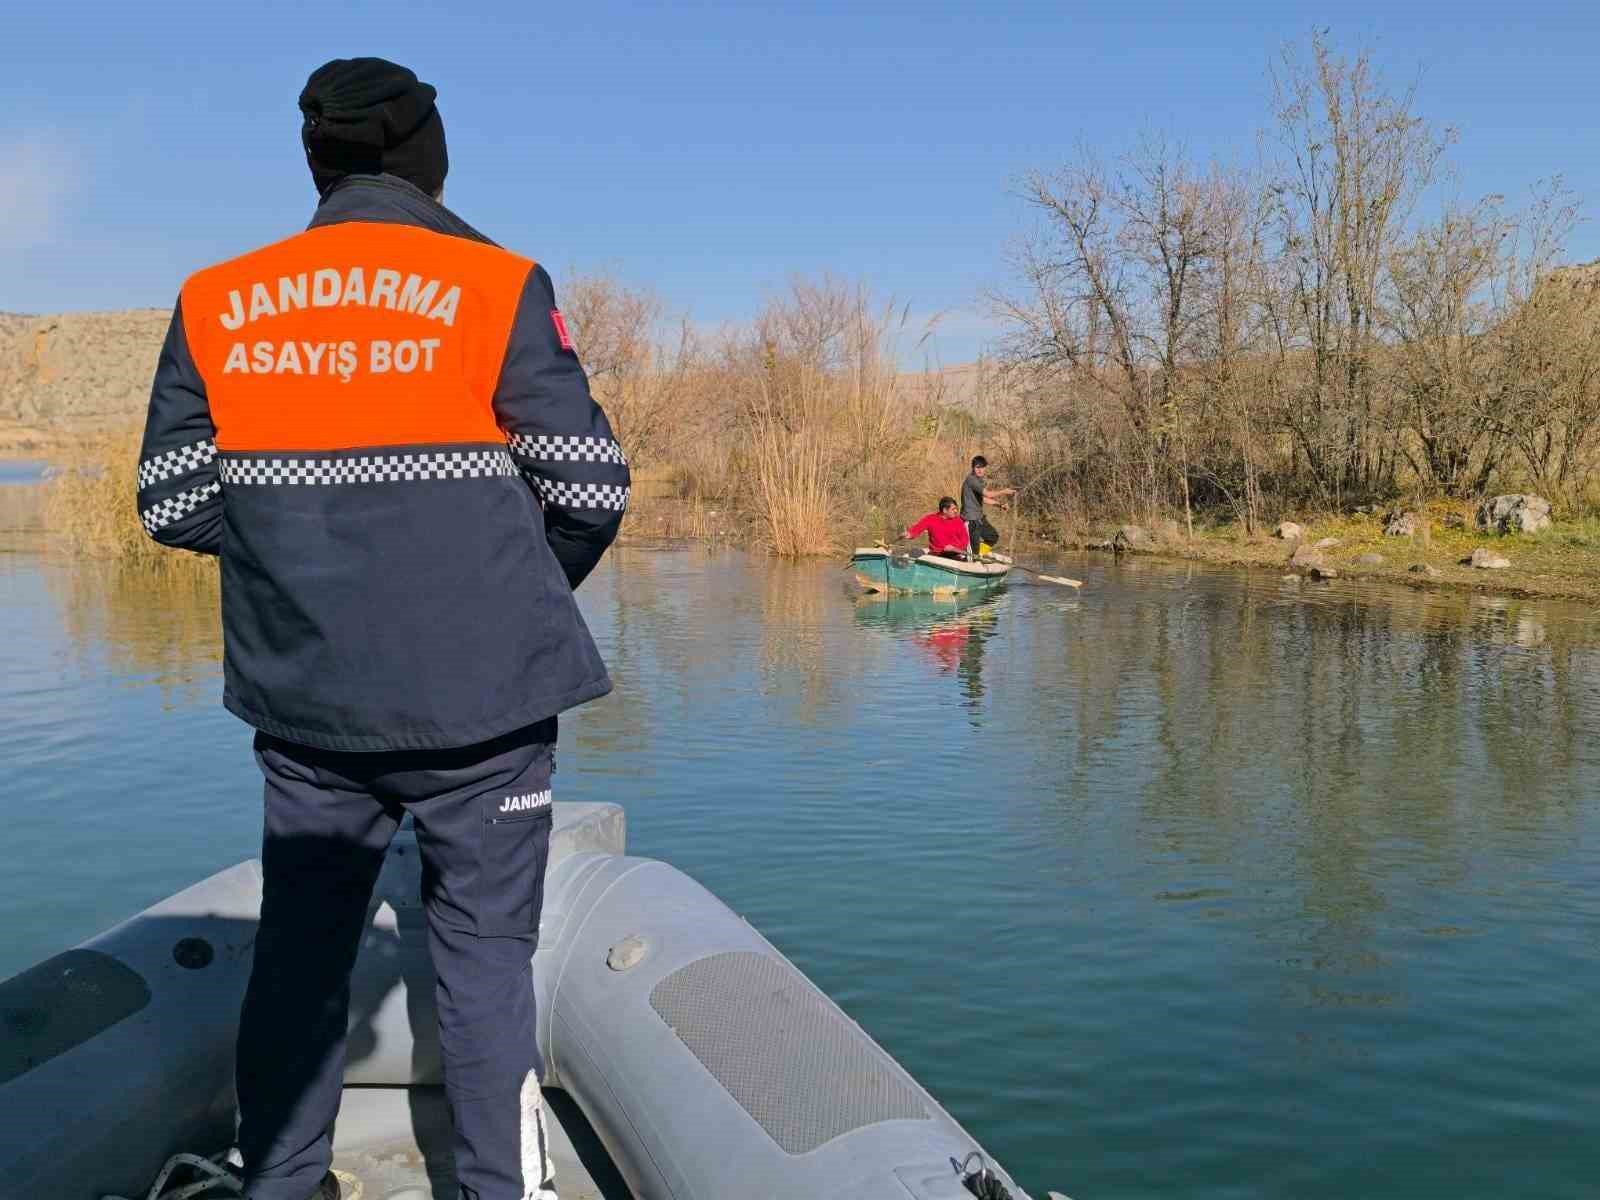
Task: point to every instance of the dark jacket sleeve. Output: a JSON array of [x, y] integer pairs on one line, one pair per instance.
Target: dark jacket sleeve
[[180, 495], [560, 439]]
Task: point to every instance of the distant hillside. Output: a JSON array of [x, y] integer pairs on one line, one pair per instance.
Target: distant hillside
[[78, 369], [975, 387], [1583, 279]]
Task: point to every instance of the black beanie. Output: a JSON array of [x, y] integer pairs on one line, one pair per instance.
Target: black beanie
[[367, 115]]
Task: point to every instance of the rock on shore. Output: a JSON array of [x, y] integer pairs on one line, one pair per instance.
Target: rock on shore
[[1514, 513], [1307, 556], [1134, 537], [1401, 523]]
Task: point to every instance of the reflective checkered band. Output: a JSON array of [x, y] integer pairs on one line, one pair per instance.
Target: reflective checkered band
[[368, 468], [159, 516], [567, 449], [176, 462], [580, 495]]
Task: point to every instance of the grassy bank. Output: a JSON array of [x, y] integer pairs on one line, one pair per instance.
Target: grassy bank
[[829, 486], [1560, 562]]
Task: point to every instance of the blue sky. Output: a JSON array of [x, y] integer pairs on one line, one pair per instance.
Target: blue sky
[[711, 151]]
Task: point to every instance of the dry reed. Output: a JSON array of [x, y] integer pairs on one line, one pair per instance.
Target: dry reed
[[90, 506], [796, 433]]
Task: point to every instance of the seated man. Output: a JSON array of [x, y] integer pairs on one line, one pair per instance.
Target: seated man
[[947, 532]]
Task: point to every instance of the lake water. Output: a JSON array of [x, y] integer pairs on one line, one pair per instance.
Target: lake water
[[1193, 883], [21, 470]]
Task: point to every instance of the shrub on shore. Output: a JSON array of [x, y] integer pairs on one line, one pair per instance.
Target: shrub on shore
[[90, 505], [799, 430]]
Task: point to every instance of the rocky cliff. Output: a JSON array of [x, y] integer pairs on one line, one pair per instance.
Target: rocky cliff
[[78, 369]]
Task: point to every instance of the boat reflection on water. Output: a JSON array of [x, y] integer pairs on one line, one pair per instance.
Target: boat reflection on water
[[948, 631]]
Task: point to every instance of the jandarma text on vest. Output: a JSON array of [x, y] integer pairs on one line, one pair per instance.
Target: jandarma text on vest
[[327, 287]]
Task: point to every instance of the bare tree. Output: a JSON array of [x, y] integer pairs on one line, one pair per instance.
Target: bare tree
[[1233, 328], [1353, 160], [1106, 302], [1167, 237], [641, 365], [1442, 312], [1548, 347]]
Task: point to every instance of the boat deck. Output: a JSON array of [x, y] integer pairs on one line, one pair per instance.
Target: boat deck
[[394, 1144]]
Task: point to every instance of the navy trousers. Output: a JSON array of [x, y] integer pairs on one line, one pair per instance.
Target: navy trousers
[[482, 816]]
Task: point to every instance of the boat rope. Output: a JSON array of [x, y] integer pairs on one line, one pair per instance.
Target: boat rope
[[981, 1182], [217, 1178]]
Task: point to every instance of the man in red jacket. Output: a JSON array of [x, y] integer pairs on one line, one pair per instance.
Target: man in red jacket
[[382, 429], [947, 532]]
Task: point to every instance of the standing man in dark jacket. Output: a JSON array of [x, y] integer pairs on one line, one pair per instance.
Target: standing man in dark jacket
[[975, 493], [381, 427]]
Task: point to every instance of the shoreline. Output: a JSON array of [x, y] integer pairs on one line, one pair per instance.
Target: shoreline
[[19, 440], [1561, 563], [1469, 580], [1536, 571]]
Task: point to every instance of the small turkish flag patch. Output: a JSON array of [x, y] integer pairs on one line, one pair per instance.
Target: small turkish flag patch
[[560, 323]]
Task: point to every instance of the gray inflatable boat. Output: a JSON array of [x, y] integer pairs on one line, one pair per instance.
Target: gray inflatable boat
[[685, 1056]]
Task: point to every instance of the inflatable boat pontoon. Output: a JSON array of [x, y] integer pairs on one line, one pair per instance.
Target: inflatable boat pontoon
[[685, 1056]]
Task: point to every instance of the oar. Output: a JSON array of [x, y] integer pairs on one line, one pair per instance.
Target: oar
[[1062, 580], [1042, 577]]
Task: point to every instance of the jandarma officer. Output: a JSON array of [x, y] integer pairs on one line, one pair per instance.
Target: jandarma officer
[[381, 427]]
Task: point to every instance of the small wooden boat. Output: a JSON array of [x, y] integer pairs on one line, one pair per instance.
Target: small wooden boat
[[899, 571]]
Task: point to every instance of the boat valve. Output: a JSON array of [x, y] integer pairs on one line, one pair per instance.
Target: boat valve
[[629, 952]]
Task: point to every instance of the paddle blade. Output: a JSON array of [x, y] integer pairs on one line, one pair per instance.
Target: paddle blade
[[1062, 580]]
